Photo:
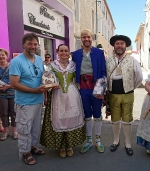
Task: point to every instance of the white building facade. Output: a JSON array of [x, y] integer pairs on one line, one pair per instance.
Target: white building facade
[[94, 15], [143, 38], [140, 45]]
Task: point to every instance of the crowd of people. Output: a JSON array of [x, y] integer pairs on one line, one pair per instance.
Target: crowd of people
[[72, 109]]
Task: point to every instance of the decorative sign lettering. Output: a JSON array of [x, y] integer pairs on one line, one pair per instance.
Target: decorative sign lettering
[[59, 25], [43, 11], [39, 18], [33, 21]]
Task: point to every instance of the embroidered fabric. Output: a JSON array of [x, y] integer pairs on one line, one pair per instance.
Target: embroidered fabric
[[127, 67], [67, 112], [69, 109], [70, 68]]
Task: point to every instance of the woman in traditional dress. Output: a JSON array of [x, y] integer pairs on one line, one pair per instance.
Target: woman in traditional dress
[[63, 124], [143, 130]]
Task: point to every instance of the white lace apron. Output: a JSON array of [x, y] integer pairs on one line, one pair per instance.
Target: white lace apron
[[66, 108]]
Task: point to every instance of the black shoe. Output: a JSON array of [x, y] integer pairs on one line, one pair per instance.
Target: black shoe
[[129, 151], [114, 147]]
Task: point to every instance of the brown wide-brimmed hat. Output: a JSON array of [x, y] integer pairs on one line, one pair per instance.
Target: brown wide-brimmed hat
[[126, 39]]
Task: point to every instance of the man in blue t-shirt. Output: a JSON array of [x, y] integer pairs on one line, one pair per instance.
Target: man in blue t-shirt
[[26, 77]]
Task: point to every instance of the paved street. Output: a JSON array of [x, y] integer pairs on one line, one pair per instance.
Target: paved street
[[92, 160]]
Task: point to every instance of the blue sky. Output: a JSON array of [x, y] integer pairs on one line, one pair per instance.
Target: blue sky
[[127, 16]]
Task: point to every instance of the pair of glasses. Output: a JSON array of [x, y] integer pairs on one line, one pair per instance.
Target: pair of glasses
[[47, 57], [35, 70]]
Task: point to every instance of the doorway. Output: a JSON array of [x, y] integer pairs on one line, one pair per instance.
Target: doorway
[[45, 46]]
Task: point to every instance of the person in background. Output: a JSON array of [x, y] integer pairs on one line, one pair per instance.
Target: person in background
[[48, 60], [124, 75], [90, 67], [143, 130], [6, 97], [63, 124], [99, 46], [26, 72]]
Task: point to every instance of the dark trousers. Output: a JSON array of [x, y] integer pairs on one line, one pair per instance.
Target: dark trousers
[[6, 111]]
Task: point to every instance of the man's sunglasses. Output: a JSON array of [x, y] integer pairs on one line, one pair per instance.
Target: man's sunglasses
[[35, 70]]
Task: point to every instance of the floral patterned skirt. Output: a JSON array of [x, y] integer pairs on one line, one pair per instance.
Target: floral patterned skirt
[[57, 140]]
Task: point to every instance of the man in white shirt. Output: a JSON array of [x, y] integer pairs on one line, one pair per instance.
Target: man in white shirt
[[124, 75]]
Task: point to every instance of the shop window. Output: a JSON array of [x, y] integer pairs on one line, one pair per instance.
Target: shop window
[[111, 25], [78, 44], [108, 35], [103, 28], [108, 20], [99, 23], [76, 7], [92, 21], [102, 6], [45, 46]]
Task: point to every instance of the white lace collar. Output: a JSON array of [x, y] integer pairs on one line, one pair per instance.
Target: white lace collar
[[70, 67]]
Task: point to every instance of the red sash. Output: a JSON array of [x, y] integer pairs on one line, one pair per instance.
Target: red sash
[[87, 81]]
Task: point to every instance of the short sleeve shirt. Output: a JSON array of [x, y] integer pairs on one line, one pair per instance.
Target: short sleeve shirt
[[30, 75]]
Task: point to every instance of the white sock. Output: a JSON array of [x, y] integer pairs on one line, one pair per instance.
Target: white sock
[[89, 125], [97, 126], [116, 131], [127, 133]]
